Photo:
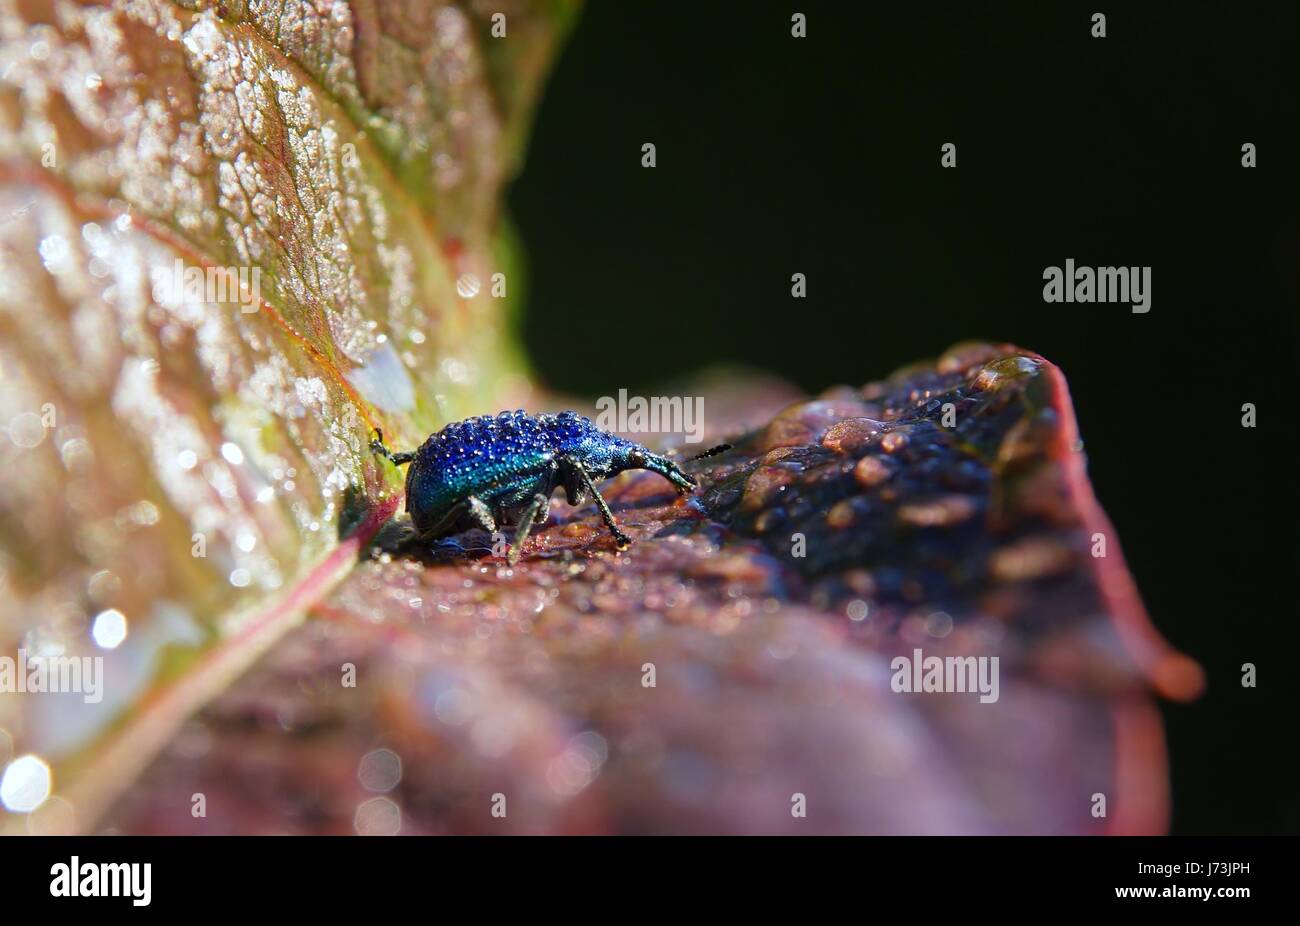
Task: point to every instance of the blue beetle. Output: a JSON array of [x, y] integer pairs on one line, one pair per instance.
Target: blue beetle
[[502, 469]]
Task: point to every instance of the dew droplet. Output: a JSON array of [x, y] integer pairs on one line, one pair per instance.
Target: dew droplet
[[380, 770], [26, 430], [872, 471], [467, 285], [109, 628], [26, 784]]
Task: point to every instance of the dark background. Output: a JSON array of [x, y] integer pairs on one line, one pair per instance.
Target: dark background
[[821, 155]]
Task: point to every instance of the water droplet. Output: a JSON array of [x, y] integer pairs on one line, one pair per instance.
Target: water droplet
[[893, 442], [467, 285], [26, 784], [841, 514], [872, 471], [109, 628], [454, 707], [378, 816], [455, 370], [380, 770], [26, 430], [851, 434], [940, 512], [938, 625], [54, 250]]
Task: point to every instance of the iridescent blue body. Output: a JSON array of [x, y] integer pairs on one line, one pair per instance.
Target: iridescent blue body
[[503, 468]]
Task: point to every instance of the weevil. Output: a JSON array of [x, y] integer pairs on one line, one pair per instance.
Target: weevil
[[498, 470]]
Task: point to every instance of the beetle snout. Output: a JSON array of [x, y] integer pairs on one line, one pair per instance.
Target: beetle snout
[[683, 482]]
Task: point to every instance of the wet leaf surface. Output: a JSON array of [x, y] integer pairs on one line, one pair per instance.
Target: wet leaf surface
[[233, 238], [480, 687]]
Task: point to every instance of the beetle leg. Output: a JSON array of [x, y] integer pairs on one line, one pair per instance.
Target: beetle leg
[[536, 512], [473, 509], [397, 459], [480, 513], [620, 538], [574, 493]]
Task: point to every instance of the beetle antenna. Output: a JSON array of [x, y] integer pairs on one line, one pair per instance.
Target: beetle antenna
[[711, 452]]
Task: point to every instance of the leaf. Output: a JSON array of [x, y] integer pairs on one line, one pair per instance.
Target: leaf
[[944, 509], [231, 236]]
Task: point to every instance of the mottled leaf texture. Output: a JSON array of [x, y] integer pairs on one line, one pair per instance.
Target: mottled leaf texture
[[709, 680], [187, 458]]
